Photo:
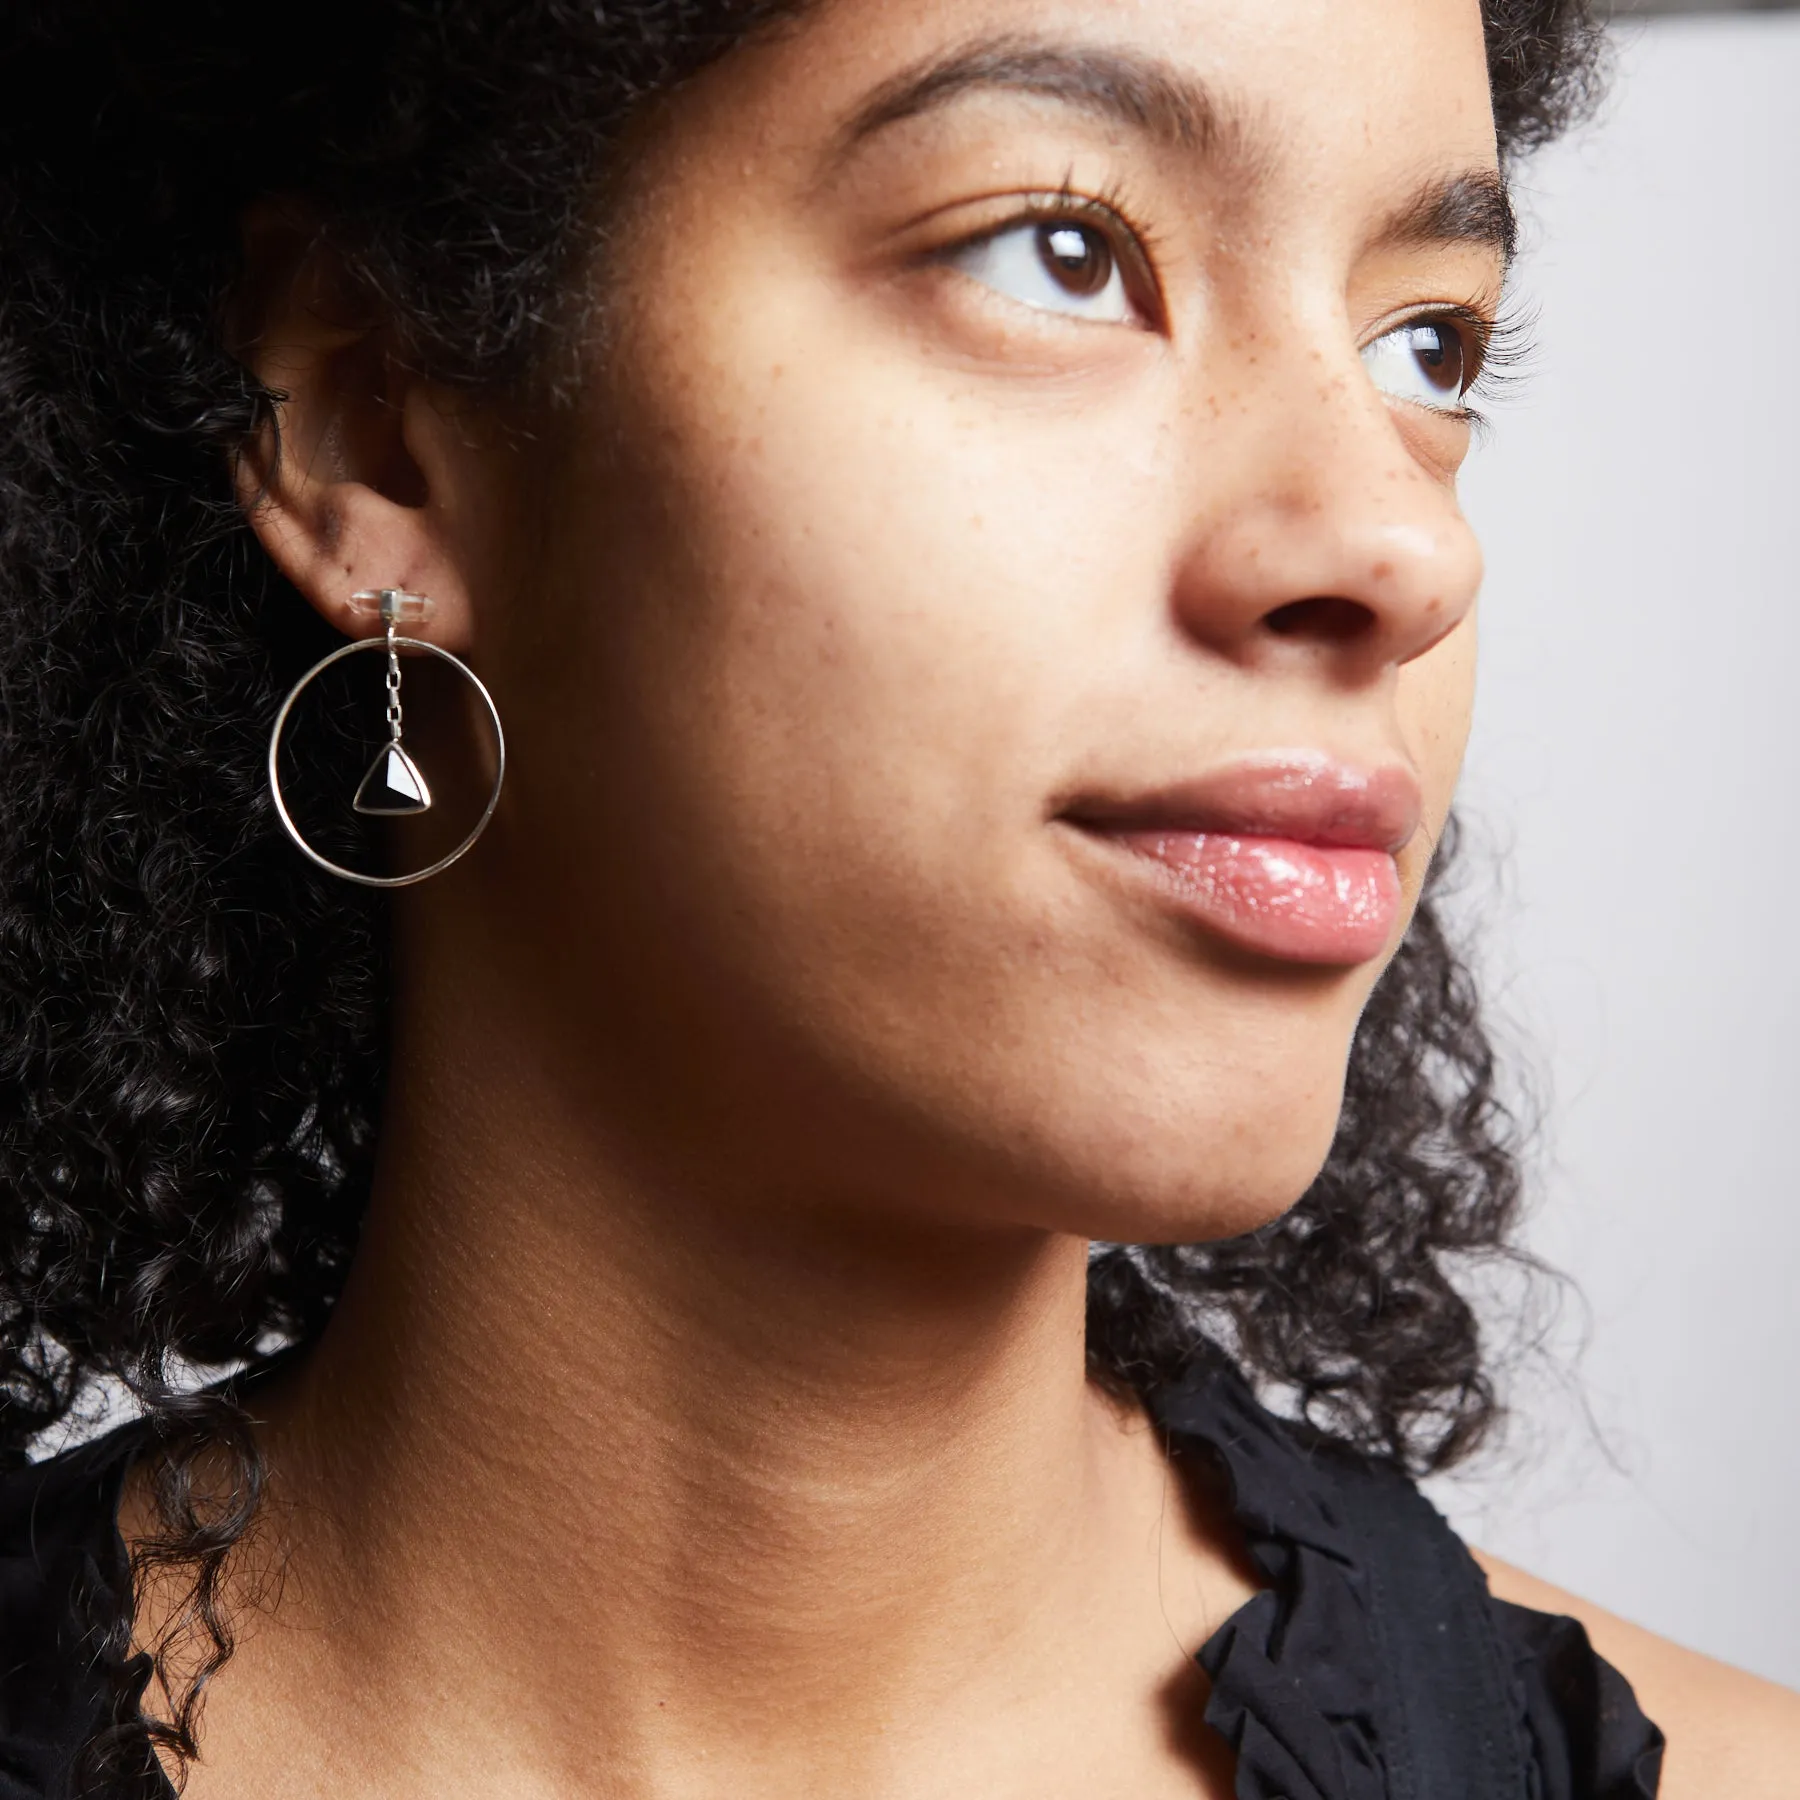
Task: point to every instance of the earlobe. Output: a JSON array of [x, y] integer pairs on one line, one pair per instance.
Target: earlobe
[[332, 537]]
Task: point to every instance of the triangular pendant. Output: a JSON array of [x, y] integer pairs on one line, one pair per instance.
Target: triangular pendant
[[394, 785]]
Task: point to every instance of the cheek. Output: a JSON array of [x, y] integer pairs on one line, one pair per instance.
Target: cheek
[[861, 617]]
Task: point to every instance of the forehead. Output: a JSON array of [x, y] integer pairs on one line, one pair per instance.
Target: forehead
[[1268, 87]]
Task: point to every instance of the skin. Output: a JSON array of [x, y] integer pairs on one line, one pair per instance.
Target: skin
[[760, 1079]]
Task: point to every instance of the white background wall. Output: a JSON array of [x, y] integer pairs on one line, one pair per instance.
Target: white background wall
[[1636, 765]]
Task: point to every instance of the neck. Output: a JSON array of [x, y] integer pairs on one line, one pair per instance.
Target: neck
[[721, 1465]]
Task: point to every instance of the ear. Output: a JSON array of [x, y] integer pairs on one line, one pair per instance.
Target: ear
[[361, 479]]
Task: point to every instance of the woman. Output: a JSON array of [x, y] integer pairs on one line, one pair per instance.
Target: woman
[[953, 509]]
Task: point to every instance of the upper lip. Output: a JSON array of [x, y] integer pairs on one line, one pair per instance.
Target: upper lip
[[1308, 797]]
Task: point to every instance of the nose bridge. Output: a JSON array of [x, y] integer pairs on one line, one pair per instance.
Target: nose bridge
[[1313, 518]]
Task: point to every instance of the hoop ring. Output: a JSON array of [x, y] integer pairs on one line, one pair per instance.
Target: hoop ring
[[354, 648]]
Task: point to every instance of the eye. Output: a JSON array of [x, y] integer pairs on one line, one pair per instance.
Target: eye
[[1427, 361], [1055, 265]]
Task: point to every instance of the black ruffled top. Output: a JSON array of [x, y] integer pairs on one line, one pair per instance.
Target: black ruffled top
[[1375, 1665]]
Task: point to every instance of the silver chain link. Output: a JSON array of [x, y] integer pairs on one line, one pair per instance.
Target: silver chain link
[[393, 687]]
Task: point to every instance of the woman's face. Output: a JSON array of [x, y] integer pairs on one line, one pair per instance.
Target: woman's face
[[999, 598]]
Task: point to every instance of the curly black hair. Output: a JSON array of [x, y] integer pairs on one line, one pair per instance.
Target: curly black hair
[[191, 1016]]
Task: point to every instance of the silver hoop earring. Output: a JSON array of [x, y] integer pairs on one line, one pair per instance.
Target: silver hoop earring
[[395, 785]]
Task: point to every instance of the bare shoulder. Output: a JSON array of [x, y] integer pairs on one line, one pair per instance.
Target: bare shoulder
[[1729, 1733]]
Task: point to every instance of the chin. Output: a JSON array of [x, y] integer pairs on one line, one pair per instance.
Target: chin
[[1202, 1200], [1182, 1163], [1204, 1211]]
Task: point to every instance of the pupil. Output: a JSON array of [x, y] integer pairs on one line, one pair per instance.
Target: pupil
[[1440, 356], [1076, 257]]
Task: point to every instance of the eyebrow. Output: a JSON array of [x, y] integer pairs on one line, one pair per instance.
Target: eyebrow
[[1148, 95], [1472, 208], [1142, 93]]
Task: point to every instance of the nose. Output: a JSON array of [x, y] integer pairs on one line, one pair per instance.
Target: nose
[[1331, 538]]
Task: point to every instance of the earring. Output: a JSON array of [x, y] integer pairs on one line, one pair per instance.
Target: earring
[[395, 785]]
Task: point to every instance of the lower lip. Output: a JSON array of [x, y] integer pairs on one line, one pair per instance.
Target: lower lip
[[1311, 903]]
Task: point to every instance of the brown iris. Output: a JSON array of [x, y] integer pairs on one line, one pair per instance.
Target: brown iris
[[1439, 350], [1078, 258]]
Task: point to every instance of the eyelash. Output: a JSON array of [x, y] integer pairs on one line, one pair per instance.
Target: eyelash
[[1498, 344], [1501, 345]]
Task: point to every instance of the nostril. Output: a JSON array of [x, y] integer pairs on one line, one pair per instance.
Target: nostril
[[1325, 619]]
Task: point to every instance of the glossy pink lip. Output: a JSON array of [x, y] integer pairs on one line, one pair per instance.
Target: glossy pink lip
[[1290, 855]]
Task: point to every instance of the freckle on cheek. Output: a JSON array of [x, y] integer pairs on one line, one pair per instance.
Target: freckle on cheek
[[1381, 571]]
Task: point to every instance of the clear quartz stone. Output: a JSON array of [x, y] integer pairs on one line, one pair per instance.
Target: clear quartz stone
[[392, 606], [394, 787]]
